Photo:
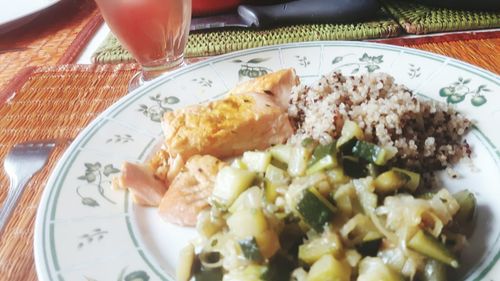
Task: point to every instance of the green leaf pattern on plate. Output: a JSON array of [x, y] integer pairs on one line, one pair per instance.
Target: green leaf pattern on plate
[[370, 63], [136, 276], [204, 82], [96, 234], [303, 61], [120, 139], [95, 175], [414, 71], [457, 91], [250, 69], [160, 105]]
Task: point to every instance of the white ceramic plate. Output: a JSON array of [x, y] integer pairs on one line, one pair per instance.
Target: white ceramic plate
[[86, 231], [16, 13]]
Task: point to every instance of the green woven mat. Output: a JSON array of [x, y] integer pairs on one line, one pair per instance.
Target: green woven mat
[[224, 41], [420, 19]]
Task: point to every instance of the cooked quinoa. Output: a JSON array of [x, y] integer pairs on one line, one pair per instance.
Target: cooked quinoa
[[427, 134]]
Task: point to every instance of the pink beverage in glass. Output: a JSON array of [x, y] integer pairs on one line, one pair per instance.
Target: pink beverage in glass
[[155, 32]]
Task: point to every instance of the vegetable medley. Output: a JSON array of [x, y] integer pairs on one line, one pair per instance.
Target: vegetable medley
[[337, 211]]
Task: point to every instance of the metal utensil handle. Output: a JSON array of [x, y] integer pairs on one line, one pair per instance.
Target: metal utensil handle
[[308, 11], [16, 188]]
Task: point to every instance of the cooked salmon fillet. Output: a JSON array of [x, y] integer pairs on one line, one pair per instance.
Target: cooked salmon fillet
[[253, 116], [277, 85], [188, 193], [226, 127], [140, 180]]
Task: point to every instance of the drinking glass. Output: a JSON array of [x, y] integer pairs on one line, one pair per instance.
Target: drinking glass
[[155, 32]]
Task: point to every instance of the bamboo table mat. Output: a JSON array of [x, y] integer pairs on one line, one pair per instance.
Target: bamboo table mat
[[480, 49], [54, 102], [221, 41], [396, 17], [417, 18], [59, 101], [54, 37]]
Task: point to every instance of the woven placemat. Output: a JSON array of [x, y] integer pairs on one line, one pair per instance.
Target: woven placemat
[[224, 41], [54, 37], [417, 18], [50, 103]]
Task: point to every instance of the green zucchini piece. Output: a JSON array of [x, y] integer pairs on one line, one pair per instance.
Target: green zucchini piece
[[208, 267], [369, 247], [299, 158], [427, 195], [280, 268], [251, 272], [353, 167], [281, 152], [291, 238], [186, 262], [414, 181], [239, 164], [325, 163], [276, 175], [434, 271], [230, 182], [374, 269], [350, 131], [250, 249], [346, 148], [390, 181], [307, 142], [210, 259], [337, 176], [371, 152], [360, 229], [429, 246], [256, 161], [270, 191], [315, 210], [467, 202], [212, 274], [245, 222], [374, 170], [328, 268], [268, 242], [328, 243], [321, 151], [277, 163], [366, 194]]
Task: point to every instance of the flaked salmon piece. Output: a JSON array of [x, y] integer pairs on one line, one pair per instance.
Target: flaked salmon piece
[[165, 168], [175, 166], [278, 85], [227, 127], [188, 193], [159, 164], [141, 182]]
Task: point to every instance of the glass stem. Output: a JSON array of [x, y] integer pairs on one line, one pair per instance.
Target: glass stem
[[159, 67]]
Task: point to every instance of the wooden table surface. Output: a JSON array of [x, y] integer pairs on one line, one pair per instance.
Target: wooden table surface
[[16, 245]]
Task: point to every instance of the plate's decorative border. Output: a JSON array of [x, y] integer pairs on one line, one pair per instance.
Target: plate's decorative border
[[45, 252]]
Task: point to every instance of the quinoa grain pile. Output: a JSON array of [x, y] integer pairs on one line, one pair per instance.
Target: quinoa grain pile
[[427, 134]]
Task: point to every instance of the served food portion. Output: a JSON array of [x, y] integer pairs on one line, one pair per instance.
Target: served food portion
[[330, 181]]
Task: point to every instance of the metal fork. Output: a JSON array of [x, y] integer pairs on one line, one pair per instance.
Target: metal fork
[[22, 162]]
